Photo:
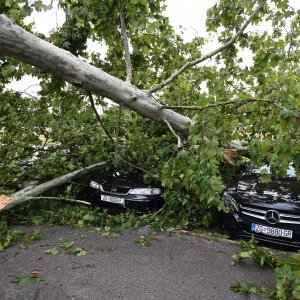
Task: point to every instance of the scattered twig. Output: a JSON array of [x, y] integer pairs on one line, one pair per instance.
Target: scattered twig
[[125, 42], [98, 116], [179, 143], [209, 55]]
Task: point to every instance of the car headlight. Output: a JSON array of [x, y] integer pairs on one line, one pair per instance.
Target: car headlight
[[230, 202], [146, 191], [95, 185]]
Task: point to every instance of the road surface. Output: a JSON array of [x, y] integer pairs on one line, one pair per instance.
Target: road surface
[[172, 267]]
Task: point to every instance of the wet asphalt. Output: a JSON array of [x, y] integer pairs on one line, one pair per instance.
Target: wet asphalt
[[176, 266]]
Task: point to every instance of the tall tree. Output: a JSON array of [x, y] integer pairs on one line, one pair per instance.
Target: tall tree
[[205, 100]]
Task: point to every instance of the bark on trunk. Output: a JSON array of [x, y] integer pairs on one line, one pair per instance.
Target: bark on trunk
[[20, 44], [32, 191]]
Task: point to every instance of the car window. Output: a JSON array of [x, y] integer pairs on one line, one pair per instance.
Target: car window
[[291, 172]]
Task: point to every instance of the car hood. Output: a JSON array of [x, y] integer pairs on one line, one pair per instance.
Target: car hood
[[131, 180], [281, 193]]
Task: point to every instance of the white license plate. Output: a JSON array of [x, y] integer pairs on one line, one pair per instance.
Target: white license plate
[[112, 199], [277, 232]]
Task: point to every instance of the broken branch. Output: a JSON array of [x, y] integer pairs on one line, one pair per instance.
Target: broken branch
[[28, 194], [179, 143]]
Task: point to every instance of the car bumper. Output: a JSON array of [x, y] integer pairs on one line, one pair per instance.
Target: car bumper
[[140, 203], [238, 226]]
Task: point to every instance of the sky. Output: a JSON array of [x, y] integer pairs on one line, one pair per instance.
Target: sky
[[190, 14]]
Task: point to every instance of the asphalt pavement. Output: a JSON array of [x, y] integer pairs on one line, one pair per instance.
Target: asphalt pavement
[[176, 266]]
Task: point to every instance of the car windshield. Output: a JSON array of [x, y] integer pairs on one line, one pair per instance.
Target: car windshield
[[291, 172]]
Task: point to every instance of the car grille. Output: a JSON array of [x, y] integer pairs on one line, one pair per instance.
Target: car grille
[[115, 189], [261, 213]]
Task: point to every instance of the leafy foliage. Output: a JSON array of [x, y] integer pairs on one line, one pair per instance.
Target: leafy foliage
[[145, 240], [260, 255], [248, 288], [288, 278], [287, 271], [56, 131], [7, 236], [193, 181]]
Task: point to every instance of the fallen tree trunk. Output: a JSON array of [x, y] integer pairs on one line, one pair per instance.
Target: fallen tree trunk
[[22, 45], [30, 192]]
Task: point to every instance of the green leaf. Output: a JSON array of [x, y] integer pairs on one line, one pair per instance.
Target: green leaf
[[37, 235], [9, 3], [67, 245], [105, 234], [52, 251], [27, 279], [26, 10], [287, 115], [80, 251]]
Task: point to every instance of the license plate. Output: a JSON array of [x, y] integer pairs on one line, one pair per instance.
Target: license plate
[[112, 199], [277, 232]]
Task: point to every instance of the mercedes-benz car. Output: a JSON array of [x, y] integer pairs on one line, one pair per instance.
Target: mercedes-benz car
[[118, 192], [268, 210]]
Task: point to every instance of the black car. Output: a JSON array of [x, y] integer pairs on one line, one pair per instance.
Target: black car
[[268, 210], [118, 192]]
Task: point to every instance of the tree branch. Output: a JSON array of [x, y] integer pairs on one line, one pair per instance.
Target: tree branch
[[237, 102], [125, 42], [179, 143], [29, 193], [97, 116], [118, 130], [209, 55], [62, 198]]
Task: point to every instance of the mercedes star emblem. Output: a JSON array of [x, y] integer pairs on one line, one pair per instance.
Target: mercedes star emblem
[[272, 217]]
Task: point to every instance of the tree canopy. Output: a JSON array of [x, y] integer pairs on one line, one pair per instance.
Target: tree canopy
[[178, 107]]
